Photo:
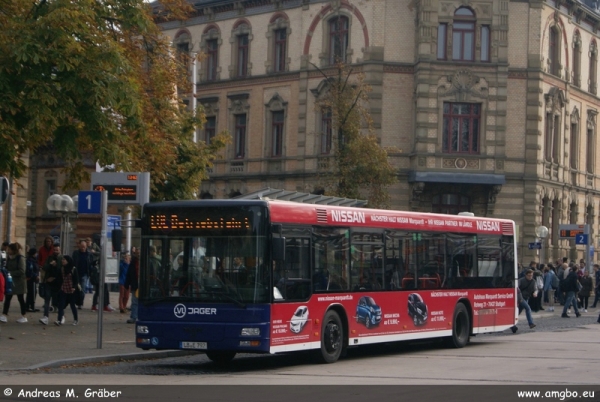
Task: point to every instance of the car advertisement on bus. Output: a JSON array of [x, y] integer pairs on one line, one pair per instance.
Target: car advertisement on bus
[[393, 315]]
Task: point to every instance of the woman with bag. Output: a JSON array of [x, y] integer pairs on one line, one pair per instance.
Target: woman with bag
[[535, 302], [15, 265], [69, 287]]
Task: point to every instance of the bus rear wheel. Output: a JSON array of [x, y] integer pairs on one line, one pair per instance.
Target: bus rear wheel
[[220, 358], [461, 327], [332, 338]]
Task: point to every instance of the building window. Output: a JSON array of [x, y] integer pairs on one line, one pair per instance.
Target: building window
[[593, 68], [463, 35], [280, 50], [210, 128], [590, 150], [338, 39], [240, 135], [485, 43], [461, 128], [450, 204], [441, 41], [577, 60], [277, 133], [554, 51], [242, 55], [326, 131], [574, 145], [552, 134], [212, 59]]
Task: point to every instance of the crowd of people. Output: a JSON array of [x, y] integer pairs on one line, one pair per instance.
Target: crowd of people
[[62, 280], [566, 283]]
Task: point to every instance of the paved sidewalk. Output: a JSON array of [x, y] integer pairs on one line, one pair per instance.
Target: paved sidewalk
[[34, 345]]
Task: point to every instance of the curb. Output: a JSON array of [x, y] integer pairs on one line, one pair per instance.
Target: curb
[[105, 358]]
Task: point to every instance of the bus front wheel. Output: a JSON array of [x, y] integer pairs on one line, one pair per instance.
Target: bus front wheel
[[219, 357], [461, 327], [332, 338]]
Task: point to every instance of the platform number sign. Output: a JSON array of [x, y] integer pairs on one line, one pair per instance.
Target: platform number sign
[[89, 202]]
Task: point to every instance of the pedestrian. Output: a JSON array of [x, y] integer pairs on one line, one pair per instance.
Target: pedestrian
[[49, 278], [571, 289], [69, 284], [525, 289], [597, 288], [586, 290], [549, 280], [3, 254], [535, 301], [123, 291], [131, 283], [83, 260], [45, 251], [32, 273], [16, 267]]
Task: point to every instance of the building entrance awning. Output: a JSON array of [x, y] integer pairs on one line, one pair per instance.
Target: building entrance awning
[[459, 178], [306, 198]]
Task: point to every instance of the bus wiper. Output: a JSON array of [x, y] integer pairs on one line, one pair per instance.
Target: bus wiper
[[229, 297]]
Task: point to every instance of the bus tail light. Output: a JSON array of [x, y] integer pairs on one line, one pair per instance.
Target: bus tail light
[[143, 341]]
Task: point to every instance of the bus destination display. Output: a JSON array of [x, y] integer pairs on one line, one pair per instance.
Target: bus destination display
[[570, 233], [174, 222]]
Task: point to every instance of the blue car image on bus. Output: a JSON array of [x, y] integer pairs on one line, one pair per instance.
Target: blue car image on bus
[[368, 312]]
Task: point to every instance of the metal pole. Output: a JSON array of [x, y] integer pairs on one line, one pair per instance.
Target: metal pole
[[128, 230], [103, 245], [9, 216], [194, 82], [586, 230]]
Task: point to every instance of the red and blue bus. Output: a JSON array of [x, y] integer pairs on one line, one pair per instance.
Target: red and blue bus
[[267, 276]]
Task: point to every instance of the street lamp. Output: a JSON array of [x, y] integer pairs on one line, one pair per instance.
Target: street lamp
[[65, 206], [542, 233]]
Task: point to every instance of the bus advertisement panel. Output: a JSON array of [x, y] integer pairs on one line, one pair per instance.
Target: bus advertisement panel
[[230, 276]]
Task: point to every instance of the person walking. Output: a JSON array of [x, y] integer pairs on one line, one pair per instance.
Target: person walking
[[49, 277], [67, 295], [32, 273], [586, 290], [132, 283], [123, 291], [15, 265], [597, 288], [83, 260], [549, 280], [571, 289], [525, 289]]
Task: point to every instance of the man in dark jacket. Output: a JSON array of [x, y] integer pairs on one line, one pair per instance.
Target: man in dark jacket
[[526, 289], [571, 289], [49, 277], [132, 283], [83, 260]]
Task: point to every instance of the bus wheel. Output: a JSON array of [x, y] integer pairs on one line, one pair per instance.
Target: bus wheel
[[461, 327], [332, 338], [220, 358]]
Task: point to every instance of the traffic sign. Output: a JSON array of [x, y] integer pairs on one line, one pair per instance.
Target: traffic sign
[[90, 202], [535, 246], [581, 239]]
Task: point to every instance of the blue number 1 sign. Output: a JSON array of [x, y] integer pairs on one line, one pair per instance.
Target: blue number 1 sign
[[90, 202]]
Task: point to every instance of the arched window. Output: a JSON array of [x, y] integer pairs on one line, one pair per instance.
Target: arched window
[[463, 35], [554, 51], [338, 39], [593, 82], [450, 204], [577, 59]]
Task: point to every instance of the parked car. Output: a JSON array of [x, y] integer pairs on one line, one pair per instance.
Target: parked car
[[368, 311], [299, 319], [417, 309]]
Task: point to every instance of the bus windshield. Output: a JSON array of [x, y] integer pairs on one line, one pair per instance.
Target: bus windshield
[[212, 264]]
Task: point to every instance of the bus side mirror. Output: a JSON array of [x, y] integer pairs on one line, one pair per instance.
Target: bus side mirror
[[279, 249]]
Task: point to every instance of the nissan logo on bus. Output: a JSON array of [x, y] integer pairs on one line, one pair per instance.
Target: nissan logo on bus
[[181, 310]]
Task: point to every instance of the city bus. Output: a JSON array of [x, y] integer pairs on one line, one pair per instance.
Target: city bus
[[269, 276]]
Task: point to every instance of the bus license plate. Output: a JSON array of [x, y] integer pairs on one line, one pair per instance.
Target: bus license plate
[[193, 345]]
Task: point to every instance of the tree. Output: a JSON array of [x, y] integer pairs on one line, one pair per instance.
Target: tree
[[97, 77], [361, 167]]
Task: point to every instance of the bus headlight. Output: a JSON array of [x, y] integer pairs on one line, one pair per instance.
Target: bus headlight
[[142, 329], [250, 332]]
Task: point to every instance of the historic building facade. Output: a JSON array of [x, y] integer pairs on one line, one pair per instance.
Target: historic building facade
[[489, 106]]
